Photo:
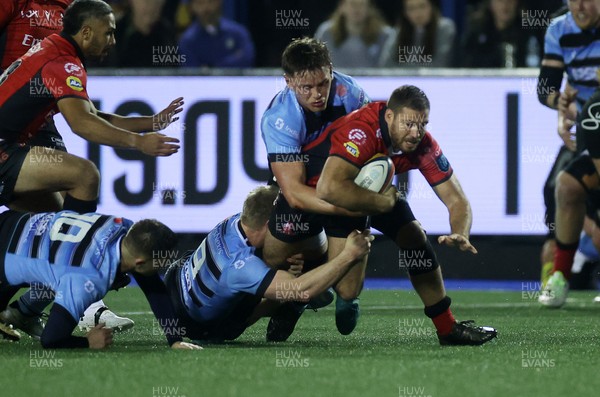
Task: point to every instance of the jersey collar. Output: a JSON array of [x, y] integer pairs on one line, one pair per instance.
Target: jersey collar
[[241, 232], [383, 127], [75, 47]]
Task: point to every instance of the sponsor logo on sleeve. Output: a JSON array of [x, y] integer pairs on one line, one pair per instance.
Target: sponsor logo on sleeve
[[362, 99], [75, 83], [357, 136], [352, 149], [341, 90], [73, 69], [239, 264], [442, 163], [279, 123]]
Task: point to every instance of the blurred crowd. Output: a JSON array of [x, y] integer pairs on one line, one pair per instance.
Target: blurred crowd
[[359, 33]]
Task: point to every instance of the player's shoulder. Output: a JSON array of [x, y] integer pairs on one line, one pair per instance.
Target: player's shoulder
[[349, 91], [284, 111], [563, 24], [346, 80], [428, 142], [227, 237]]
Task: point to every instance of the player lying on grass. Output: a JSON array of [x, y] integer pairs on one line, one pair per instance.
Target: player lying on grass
[[20, 29], [397, 129], [80, 258], [224, 286]]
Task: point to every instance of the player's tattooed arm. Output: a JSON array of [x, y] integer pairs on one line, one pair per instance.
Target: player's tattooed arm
[[291, 177], [336, 186]]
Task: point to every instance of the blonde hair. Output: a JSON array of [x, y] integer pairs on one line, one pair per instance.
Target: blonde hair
[[258, 206]]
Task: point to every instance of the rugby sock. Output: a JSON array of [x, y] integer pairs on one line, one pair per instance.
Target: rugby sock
[[563, 258], [441, 315], [81, 206], [6, 295], [34, 301]]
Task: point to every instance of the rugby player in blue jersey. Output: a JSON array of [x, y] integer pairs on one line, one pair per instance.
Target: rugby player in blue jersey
[[314, 97], [572, 46], [224, 286], [80, 257]]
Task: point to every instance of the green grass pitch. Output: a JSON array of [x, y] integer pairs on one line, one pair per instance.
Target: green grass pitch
[[393, 353]]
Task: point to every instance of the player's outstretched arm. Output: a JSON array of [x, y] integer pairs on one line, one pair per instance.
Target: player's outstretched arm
[[336, 186], [157, 122], [79, 114], [459, 210], [285, 286]]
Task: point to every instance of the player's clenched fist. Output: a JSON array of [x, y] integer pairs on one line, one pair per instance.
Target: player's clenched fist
[[156, 144], [358, 244], [100, 337]]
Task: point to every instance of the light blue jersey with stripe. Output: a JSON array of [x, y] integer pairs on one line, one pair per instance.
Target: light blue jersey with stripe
[[578, 50], [221, 272], [75, 255]]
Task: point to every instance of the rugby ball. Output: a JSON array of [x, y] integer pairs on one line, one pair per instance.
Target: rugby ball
[[377, 174]]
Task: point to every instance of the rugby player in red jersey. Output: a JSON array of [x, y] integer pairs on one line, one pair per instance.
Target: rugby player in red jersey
[[397, 129], [52, 78], [25, 23]]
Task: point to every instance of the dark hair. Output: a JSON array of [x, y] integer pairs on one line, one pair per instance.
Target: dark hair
[[304, 54], [150, 237], [406, 35], [408, 96], [258, 206], [80, 11]]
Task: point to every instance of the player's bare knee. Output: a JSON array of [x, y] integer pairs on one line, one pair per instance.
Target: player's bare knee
[[89, 176], [569, 190]]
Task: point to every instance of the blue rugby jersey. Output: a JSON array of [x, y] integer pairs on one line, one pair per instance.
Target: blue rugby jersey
[[75, 255], [78, 257], [580, 52], [221, 272], [286, 126]]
